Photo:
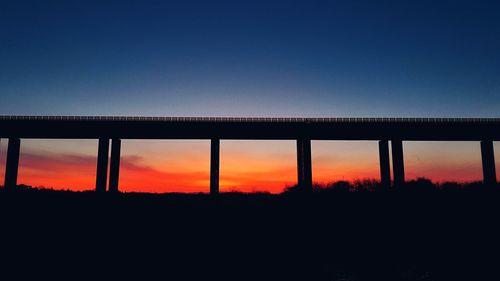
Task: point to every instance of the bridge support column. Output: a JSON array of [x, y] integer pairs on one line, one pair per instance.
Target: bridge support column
[[488, 159], [114, 166], [12, 165], [214, 165], [304, 166], [385, 166], [102, 165], [398, 162]]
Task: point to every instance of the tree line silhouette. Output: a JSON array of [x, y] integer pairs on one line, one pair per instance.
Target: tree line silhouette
[[421, 184]]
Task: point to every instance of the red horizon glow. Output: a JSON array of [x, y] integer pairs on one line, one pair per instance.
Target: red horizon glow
[[246, 166]]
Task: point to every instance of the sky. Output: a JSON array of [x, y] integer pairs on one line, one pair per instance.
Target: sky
[[246, 58]]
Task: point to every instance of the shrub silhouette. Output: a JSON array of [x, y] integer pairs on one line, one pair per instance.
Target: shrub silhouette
[[420, 184], [450, 186]]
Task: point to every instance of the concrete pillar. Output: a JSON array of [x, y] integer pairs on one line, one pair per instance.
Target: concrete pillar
[[114, 166], [488, 159], [214, 166], [398, 162], [385, 166], [304, 166], [12, 165], [102, 165]]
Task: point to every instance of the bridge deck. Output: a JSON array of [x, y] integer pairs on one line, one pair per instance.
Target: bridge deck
[[125, 127]]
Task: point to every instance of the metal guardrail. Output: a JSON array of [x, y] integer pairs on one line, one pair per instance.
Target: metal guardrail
[[249, 119]]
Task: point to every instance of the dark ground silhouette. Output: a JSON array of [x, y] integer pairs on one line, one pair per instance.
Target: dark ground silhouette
[[411, 233]]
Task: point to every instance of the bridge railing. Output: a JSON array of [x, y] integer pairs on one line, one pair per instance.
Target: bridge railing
[[251, 119]]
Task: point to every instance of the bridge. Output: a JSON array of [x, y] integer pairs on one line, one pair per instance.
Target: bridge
[[113, 129]]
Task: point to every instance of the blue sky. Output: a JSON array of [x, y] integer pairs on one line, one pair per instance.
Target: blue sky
[[247, 58], [250, 58]]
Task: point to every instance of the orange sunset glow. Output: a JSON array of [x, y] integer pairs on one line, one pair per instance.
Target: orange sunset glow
[[245, 166], [253, 166], [443, 161]]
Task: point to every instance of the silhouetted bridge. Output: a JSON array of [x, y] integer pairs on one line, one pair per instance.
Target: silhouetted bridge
[[303, 130]]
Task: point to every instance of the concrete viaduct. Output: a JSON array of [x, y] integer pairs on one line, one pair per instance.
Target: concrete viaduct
[[302, 130]]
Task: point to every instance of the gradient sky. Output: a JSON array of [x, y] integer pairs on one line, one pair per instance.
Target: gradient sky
[[247, 58]]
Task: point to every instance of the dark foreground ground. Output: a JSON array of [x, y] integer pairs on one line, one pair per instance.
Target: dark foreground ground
[[398, 235]]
